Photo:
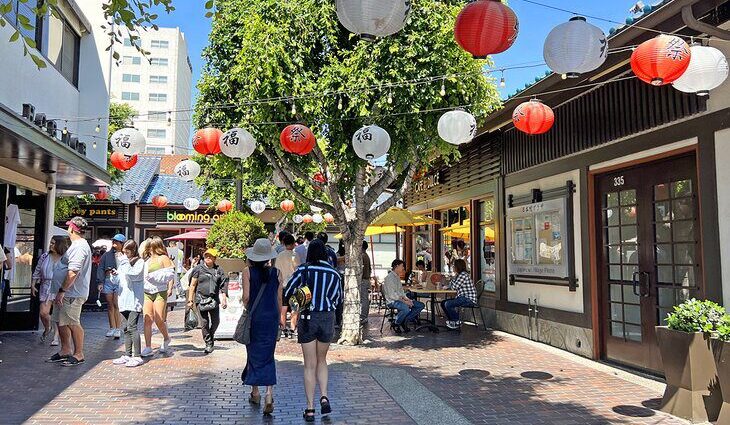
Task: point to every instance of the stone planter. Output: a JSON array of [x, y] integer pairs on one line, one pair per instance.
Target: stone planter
[[693, 391], [721, 350], [231, 264]]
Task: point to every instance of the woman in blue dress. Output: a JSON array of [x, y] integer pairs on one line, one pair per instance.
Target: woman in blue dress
[[261, 278]]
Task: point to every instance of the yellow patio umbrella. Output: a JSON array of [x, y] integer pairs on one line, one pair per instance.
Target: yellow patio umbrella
[[378, 230], [395, 218]]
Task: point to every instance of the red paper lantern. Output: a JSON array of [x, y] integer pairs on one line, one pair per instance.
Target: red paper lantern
[[122, 162], [533, 117], [287, 205], [207, 141], [661, 60], [159, 201], [486, 27], [102, 194], [319, 178], [297, 139], [224, 205], [307, 218]]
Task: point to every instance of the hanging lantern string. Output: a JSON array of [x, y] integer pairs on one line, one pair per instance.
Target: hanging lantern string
[[611, 21]]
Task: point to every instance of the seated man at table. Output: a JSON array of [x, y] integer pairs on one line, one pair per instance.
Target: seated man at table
[[395, 297], [466, 294]]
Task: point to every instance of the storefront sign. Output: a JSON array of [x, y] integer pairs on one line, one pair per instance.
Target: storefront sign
[[536, 239], [229, 316], [97, 212], [427, 182], [191, 217]]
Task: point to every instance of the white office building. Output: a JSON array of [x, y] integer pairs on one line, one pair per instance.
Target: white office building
[[158, 87]]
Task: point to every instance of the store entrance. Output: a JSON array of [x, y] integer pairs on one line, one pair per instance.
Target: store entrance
[[648, 237], [25, 230]]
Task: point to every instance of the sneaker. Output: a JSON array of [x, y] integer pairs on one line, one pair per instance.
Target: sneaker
[[146, 352], [208, 349], [121, 360], [165, 347], [134, 362], [117, 333], [451, 324], [110, 333]]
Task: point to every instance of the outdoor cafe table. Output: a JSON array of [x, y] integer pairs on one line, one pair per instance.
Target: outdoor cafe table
[[431, 292]]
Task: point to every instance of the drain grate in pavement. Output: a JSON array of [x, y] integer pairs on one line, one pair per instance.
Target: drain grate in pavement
[[537, 375]]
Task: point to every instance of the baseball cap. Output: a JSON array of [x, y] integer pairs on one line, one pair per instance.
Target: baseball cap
[[120, 238], [211, 251]]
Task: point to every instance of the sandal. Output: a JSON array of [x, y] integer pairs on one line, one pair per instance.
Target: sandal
[[309, 415], [324, 405], [72, 361], [254, 399], [56, 358], [269, 406]]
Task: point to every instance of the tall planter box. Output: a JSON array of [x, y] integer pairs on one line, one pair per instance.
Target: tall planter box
[[693, 391], [721, 350]]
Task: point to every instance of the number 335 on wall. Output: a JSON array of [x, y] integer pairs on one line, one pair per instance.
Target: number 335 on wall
[[618, 181]]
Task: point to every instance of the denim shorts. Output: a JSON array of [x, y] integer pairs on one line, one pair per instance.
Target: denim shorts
[[111, 286], [316, 325]]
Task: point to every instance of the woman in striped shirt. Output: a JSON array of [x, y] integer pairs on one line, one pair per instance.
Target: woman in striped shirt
[[317, 321]]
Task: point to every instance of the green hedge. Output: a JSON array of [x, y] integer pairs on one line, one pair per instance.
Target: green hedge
[[234, 232]]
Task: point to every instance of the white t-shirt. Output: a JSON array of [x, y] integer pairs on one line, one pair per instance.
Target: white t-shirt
[[286, 264], [12, 220], [79, 261]]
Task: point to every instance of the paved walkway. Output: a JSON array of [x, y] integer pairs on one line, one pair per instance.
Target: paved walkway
[[447, 378]]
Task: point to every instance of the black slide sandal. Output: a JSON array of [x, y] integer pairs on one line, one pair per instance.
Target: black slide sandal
[[324, 405], [309, 415], [58, 358], [72, 361]]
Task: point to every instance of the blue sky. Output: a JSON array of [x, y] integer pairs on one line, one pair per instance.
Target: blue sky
[[535, 23]]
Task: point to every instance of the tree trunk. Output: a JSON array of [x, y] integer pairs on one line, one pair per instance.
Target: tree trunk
[[351, 330]]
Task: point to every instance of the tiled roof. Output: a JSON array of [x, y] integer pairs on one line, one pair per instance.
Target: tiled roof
[[138, 178], [173, 188]]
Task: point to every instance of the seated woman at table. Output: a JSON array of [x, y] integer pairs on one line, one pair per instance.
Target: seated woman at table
[[466, 294], [395, 297]]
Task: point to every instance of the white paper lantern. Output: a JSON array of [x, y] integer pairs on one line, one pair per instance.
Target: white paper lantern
[[127, 197], [258, 207], [371, 142], [128, 141], [237, 143], [317, 218], [575, 47], [297, 218], [187, 170], [373, 18], [191, 204], [708, 68], [457, 127]]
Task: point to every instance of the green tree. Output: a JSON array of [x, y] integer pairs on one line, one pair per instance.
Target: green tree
[[120, 114], [234, 232], [268, 49]]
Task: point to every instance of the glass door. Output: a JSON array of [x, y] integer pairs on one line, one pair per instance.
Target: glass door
[[25, 230]]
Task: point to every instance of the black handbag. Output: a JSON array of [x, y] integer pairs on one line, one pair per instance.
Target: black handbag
[[242, 335], [206, 303]]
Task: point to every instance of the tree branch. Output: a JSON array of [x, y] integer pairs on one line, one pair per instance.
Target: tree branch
[[376, 189], [404, 183], [331, 185], [276, 162]]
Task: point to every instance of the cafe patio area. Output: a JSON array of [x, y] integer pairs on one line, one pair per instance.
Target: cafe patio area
[[475, 376]]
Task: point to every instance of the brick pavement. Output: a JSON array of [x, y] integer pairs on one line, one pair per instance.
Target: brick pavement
[[488, 378]]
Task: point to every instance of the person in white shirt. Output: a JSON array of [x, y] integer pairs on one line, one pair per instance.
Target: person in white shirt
[[286, 263], [395, 297], [301, 250]]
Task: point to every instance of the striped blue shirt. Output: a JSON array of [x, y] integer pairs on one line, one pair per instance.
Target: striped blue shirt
[[324, 282]]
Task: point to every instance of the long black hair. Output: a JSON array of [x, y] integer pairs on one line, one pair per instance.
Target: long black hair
[[316, 252]]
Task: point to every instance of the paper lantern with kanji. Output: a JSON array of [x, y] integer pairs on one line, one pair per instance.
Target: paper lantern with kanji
[[159, 201], [287, 205], [373, 18], [258, 207], [297, 139], [329, 218], [207, 141], [707, 69], [237, 143], [224, 205], [297, 218], [307, 218], [486, 27], [191, 204], [533, 117], [371, 142], [127, 197], [661, 60], [122, 162], [102, 194], [575, 47], [128, 141], [187, 170]]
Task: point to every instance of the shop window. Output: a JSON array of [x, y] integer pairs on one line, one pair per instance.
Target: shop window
[[422, 245], [487, 247], [455, 238]]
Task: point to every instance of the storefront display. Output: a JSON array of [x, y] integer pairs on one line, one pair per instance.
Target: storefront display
[[487, 246]]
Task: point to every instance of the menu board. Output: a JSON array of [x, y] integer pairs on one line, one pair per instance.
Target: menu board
[[536, 239]]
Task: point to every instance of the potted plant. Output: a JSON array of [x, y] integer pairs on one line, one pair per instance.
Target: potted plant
[[689, 368], [721, 350], [231, 235]]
